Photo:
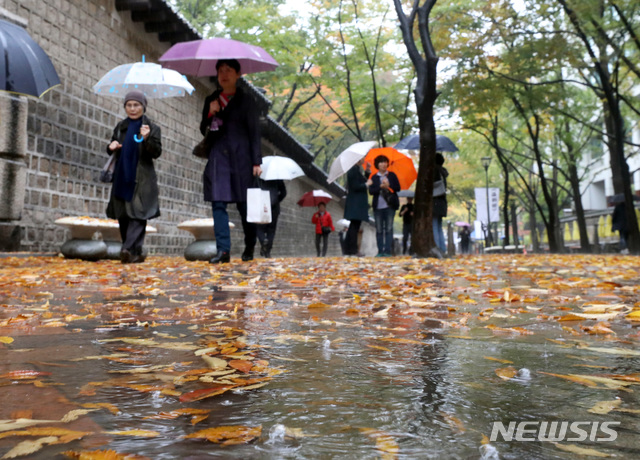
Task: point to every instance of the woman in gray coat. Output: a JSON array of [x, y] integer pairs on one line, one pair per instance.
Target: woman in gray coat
[[356, 208], [136, 142]]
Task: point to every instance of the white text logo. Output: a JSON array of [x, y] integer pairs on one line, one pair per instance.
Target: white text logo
[[555, 431]]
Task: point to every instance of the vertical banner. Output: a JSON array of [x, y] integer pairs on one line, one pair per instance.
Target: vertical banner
[[494, 204]]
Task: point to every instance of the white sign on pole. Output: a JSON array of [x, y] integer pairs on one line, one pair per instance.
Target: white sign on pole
[[494, 204]]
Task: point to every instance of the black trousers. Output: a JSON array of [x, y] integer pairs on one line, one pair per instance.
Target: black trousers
[[132, 232], [324, 237], [352, 238], [406, 233], [249, 229], [267, 232]]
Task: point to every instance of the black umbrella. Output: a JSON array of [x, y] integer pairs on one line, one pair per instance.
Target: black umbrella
[[24, 67], [619, 198], [412, 142]]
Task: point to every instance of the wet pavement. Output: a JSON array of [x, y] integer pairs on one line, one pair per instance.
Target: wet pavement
[[304, 358]]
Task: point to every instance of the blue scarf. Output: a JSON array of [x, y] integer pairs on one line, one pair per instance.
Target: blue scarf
[[124, 182]]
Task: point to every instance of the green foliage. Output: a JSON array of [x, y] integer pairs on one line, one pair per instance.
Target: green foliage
[[337, 58]]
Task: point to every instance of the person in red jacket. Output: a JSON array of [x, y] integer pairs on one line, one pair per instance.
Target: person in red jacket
[[324, 226]]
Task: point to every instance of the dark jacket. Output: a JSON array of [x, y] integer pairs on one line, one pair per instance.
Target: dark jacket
[[440, 202], [145, 204], [276, 188], [356, 206], [619, 219], [236, 149], [375, 190], [407, 217]]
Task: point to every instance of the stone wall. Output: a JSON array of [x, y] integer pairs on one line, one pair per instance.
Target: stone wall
[[69, 127]]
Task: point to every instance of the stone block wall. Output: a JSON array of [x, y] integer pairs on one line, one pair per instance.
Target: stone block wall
[[69, 127]]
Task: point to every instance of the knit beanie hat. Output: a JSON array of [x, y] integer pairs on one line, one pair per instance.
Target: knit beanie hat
[[138, 96]]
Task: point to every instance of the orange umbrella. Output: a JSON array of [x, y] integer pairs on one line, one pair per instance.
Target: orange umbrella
[[399, 163]]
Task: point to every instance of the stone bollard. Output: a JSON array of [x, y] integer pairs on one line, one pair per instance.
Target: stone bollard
[[13, 168], [204, 247], [93, 238]]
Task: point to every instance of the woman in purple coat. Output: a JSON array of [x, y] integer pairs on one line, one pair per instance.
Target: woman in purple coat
[[234, 159]]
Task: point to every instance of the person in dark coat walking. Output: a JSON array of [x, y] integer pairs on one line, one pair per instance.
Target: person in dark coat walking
[[267, 232], [406, 212], [384, 187], [619, 223], [235, 157], [465, 239], [356, 208], [440, 205], [136, 142]]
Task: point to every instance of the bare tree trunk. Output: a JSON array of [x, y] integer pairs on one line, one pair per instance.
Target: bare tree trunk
[[614, 121], [577, 200], [507, 190], [533, 225], [532, 122], [425, 96], [514, 223]]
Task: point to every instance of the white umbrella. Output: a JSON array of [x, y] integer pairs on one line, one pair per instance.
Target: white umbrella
[[151, 79], [343, 223], [283, 168], [348, 158]]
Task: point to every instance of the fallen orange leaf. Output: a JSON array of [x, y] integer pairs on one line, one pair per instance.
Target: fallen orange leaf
[[506, 373], [102, 455], [241, 365], [228, 435], [197, 395], [503, 361]]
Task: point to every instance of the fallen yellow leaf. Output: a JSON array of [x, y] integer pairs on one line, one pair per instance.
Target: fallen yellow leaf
[[581, 450], [102, 455], [384, 443], [503, 361], [228, 435], [214, 363], [29, 447], [506, 373], [47, 431], [377, 347], [138, 433], [604, 407]]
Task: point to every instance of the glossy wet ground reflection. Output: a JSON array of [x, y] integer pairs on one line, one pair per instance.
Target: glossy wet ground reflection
[[401, 359]]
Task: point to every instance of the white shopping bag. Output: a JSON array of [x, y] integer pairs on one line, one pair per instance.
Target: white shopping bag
[[258, 206]]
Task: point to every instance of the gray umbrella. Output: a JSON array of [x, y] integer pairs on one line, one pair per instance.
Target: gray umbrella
[[412, 142], [619, 198], [407, 193], [24, 68]]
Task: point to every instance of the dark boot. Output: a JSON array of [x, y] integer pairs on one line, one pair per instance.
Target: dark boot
[[125, 256], [221, 258], [247, 255], [137, 256]]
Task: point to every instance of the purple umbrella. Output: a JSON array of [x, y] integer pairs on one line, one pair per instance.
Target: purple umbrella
[[199, 57]]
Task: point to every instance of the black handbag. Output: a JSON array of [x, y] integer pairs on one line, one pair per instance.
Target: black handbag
[[106, 174], [326, 230], [202, 148], [391, 198]]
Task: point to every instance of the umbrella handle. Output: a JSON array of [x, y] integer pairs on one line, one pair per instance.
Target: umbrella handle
[[137, 138]]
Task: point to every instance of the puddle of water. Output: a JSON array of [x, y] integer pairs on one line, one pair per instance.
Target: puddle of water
[[419, 384]]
